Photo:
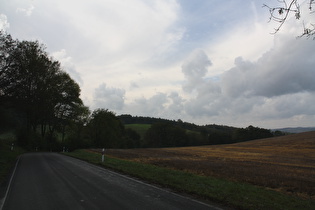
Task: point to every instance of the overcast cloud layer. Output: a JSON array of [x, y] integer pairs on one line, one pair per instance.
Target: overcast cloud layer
[[199, 61]]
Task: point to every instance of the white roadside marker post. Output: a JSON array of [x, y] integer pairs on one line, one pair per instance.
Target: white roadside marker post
[[103, 151]]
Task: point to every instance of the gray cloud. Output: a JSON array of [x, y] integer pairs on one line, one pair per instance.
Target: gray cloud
[[113, 40], [195, 68], [175, 109], [152, 106], [279, 85], [286, 106], [170, 106], [109, 97], [236, 81], [287, 69], [133, 85]]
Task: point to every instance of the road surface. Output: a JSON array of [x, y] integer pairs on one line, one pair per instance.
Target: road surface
[[53, 181]]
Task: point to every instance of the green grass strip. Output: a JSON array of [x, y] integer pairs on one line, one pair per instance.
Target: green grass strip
[[233, 194], [7, 159]]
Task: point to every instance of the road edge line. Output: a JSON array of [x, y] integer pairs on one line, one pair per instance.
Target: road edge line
[[9, 185], [102, 167]]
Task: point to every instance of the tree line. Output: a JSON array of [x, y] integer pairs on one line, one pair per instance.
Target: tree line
[[41, 104], [172, 133]]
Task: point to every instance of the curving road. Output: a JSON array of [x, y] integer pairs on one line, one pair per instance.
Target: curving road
[[53, 181]]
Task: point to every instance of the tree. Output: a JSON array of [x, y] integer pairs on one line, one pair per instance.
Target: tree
[[7, 46], [165, 135], [132, 138], [67, 102], [220, 137], [77, 132], [281, 13], [35, 86], [26, 79], [251, 133], [106, 130]]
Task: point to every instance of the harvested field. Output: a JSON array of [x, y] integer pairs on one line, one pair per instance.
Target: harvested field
[[285, 164]]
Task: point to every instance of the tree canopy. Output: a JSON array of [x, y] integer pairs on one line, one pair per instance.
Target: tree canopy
[[35, 85], [106, 129]]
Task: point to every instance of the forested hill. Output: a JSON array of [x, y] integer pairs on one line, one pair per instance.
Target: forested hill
[[129, 119], [295, 130], [210, 134]]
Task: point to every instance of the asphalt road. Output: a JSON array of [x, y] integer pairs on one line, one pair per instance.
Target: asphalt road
[[53, 181]]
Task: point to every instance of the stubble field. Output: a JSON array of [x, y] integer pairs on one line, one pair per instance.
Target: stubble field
[[285, 164]]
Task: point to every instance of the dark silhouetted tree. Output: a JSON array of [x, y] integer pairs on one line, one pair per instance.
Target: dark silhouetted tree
[[165, 135], [105, 129], [251, 133], [78, 136], [132, 139], [35, 86]]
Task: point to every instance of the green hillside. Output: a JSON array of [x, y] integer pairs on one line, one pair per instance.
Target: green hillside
[[141, 129]]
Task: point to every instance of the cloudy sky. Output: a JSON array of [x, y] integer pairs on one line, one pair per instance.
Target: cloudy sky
[[201, 61]]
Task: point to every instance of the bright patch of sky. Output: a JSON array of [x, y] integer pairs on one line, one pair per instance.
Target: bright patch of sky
[[203, 61]]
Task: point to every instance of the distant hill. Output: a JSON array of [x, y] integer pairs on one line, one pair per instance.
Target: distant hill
[[195, 135], [128, 119], [295, 130]]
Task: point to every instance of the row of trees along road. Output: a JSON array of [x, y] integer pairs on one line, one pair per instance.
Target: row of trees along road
[[41, 97], [41, 103]]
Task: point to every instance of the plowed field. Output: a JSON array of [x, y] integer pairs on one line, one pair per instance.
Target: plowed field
[[286, 163]]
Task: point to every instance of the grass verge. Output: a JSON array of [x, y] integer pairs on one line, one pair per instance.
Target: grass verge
[[233, 194], [7, 159]]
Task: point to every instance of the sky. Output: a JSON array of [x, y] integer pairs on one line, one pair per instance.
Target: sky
[[201, 61]]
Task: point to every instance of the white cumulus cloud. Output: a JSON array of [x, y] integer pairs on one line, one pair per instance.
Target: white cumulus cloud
[[27, 12], [4, 24], [108, 97]]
